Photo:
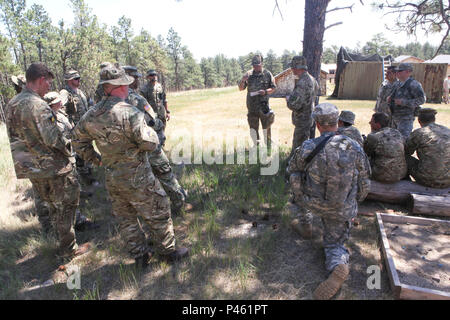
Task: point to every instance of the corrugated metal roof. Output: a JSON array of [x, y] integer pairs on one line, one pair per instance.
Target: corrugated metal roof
[[442, 58]]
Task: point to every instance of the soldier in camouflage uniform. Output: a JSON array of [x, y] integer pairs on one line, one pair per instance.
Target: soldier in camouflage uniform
[[432, 144], [386, 151], [42, 154], [345, 126], [386, 89], [53, 99], [302, 101], [158, 159], [99, 93], [260, 83], [124, 140], [329, 185], [155, 95], [19, 82], [405, 100]]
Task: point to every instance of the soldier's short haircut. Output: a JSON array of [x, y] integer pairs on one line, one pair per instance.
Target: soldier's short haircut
[[428, 117], [381, 118], [37, 70]]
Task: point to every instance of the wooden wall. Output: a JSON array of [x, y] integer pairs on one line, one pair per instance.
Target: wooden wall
[[361, 80]]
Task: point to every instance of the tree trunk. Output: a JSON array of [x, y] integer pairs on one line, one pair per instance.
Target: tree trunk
[[315, 11], [430, 205], [399, 192]]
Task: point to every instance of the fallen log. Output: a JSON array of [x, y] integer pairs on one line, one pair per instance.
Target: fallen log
[[399, 192], [430, 205]]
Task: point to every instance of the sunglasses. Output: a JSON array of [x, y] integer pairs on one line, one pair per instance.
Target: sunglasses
[[77, 79]]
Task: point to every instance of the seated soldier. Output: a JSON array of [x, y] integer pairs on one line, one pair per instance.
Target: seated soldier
[[432, 144], [345, 124], [385, 148]]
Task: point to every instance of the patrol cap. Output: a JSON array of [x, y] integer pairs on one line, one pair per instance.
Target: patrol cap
[[404, 67], [71, 74], [299, 62], [105, 64], [52, 97], [19, 80], [115, 75], [347, 116], [152, 72], [257, 60], [326, 114], [132, 71]]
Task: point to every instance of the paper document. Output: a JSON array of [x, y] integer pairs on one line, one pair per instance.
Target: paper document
[[254, 93]]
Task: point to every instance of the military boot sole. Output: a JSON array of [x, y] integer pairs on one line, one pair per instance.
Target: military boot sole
[[327, 289]]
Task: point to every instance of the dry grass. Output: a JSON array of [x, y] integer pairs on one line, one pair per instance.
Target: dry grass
[[239, 235]]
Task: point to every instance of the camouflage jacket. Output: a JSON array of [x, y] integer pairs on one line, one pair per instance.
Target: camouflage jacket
[[65, 126], [142, 104], [302, 99], [122, 137], [383, 93], [335, 179], [386, 151], [154, 94], [432, 144], [412, 97], [258, 81], [75, 103], [99, 93], [351, 132], [39, 149]]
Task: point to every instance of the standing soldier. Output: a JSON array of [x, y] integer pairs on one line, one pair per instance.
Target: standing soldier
[[75, 106], [260, 83], [385, 90], [301, 102], [329, 175], [53, 99], [432, 144], [42, 154], [405, 100], [345, 126], [124, 140], [386, 150], [158, 159], [20, 82], [155, 95], [99, 93]]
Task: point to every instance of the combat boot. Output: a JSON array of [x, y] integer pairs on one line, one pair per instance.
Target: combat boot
[[304, 230], [176, 255], [327, 289], [144, 260]]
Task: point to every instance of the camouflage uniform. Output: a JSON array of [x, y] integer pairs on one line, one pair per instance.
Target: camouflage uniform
[[384, 92], [432, 144], [335, 179], [156, 96], [301, 102], [386, 151], [124, 140], [412, 97], [258, 105], [350, 131], [42, 154], [158, 159]]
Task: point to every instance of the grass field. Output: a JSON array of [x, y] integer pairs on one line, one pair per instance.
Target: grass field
[[239, 236]]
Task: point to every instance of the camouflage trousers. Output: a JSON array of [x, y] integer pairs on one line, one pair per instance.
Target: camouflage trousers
[[421, 177], [335, 234], [302, 133], [146, 201], [254, 118], [404, 125], [57, 201]]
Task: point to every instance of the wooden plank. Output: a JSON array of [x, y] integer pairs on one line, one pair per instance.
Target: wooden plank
[[392, 271], [393, 218], [400, 290], [408, 292]]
